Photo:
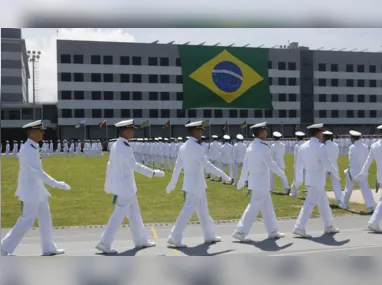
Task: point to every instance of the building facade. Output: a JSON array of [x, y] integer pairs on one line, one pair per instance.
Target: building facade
[[14, 67], [112, 81]]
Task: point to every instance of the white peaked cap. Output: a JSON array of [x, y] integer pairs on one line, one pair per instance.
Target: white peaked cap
[[260, 125], [214, 136], [198, 124], [299, 134], [239, 137], [126, 124], [327, 133], [34, 125], [226, 137], [277, 134], [315, 126], [355, 133], [379, 127]]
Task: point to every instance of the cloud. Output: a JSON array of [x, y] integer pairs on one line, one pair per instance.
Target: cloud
[[47, 67]]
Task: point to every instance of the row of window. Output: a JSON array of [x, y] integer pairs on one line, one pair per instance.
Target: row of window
[[349, 114], [19, 114], [349, 82], [349, 68], [349, 98]]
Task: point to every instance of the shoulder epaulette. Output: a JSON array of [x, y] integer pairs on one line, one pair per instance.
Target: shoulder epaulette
[[126, 143], [264, 143], [33, 146]]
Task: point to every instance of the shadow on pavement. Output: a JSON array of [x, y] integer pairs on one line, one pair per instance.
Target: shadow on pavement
[[129, 252], [266, 244], [327, 239], [201, 250]]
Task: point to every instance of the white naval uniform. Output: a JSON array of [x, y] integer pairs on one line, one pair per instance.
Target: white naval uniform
[[226, 158], [313, 157], [15, 149], [65, 149], [58, 150], [166, 152], [374, 154], [7, 150], [238, 156], [258, 163], [296, 147], [120, 181], [214, 155], [205, 148], [358, 153], [277, 154], [32, 192], [333, 153], [191, 158]]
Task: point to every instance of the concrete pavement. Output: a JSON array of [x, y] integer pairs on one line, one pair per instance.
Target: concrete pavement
[[357, 197], [352, 240]]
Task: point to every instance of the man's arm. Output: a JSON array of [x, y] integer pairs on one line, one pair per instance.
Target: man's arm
[[33, 163], [328, 165], [366, 166]]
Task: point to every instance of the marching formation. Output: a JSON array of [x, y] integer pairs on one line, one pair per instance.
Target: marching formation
[[259, 160]]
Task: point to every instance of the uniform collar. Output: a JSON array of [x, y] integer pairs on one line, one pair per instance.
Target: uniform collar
[[193, 139], [33, 143], [123, 139], [313, 139], [259, 140], [357, 142]]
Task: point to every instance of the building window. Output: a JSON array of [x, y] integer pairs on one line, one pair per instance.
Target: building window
[[282, 97], [372, 68], [125, 113], [282, 81], [26, 114], [153, 113], [179, 79], [321, 82], [96, 113], [165, 96], [334, 82], [124, 78], [108, 77], [349, 68], [361, 113], [322, 98], [153, 96], [258, 113], [65, 58], [66, 77], [321, 67], [107, 59], [243, 113], [233, 113], [96, 77], [349, 98], [268, 113], [165, 79], [361, 83], [180, 113], [153, 61], [66, 95], [164, 61], [14, 114], [125, 95], [191, 113], [292, 81], [207, 114], [179, 96], [78, 59], [269, 64], [361, 98], [124, 60], [79, 113], [349, 113], [282, 113], [137, 113], [360, 68], [292, 114], [293, 97], [137, 60], [218, 113], [334, 97], [349, 82], [108, 95], [177, 62], [66, 113], [137, 96], [282, 66], [78, 77], [96, 95], [322, 113], [335, 114], [292, 66], [79, 95], [137, 78], [373, 83], [153, 78], [334, 67], [108, 113], [270, 81], [373, 98], [165, 113], [373, 113], [95, 59]]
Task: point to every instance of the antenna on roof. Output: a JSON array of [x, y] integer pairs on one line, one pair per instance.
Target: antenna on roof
[[260, 46], [186, 43], [275, 46], [202, 43], [216, 44], [231, 45], [246, 45], [170, 43], [354, 49], [320, 48], [155, 42], [342, 49], [332, 49], [363, 50]]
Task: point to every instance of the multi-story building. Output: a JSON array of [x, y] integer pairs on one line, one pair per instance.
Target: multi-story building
[[113, 81], [14, 67]]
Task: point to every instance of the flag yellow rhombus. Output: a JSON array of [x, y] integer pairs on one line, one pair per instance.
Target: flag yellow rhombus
[[226, 76]]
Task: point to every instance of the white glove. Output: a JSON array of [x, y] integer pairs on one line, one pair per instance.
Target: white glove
[[62, 185], [240, 185], [158, 173], [170, 188], [227, 179]]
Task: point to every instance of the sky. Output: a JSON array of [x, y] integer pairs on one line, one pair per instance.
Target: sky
[[44, 40]]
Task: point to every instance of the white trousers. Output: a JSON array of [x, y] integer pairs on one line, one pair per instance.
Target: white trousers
[[169, 163], [377, 215], [336, 187], [260, 201], [236, 168], [127, 207], [316, 196], [272, 180], [229, 166], [199, 204], [365, 190], [31, 211], [217, 164]]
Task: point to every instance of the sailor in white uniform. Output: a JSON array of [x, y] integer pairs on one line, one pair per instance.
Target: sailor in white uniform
[[33, 195], [192, 159], [226, 155], [214, 153], [121, 182], [277, 154], [300, 140], [239, 150]]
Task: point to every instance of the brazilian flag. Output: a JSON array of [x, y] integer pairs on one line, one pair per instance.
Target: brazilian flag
[[225, 77]]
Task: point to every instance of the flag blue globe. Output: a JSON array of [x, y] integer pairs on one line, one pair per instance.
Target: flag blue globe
[[227, 76]]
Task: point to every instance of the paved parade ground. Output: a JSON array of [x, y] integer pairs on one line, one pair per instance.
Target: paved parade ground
[[352, 240]]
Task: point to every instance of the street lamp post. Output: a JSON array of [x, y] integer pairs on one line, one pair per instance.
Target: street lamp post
[[33, 57]]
